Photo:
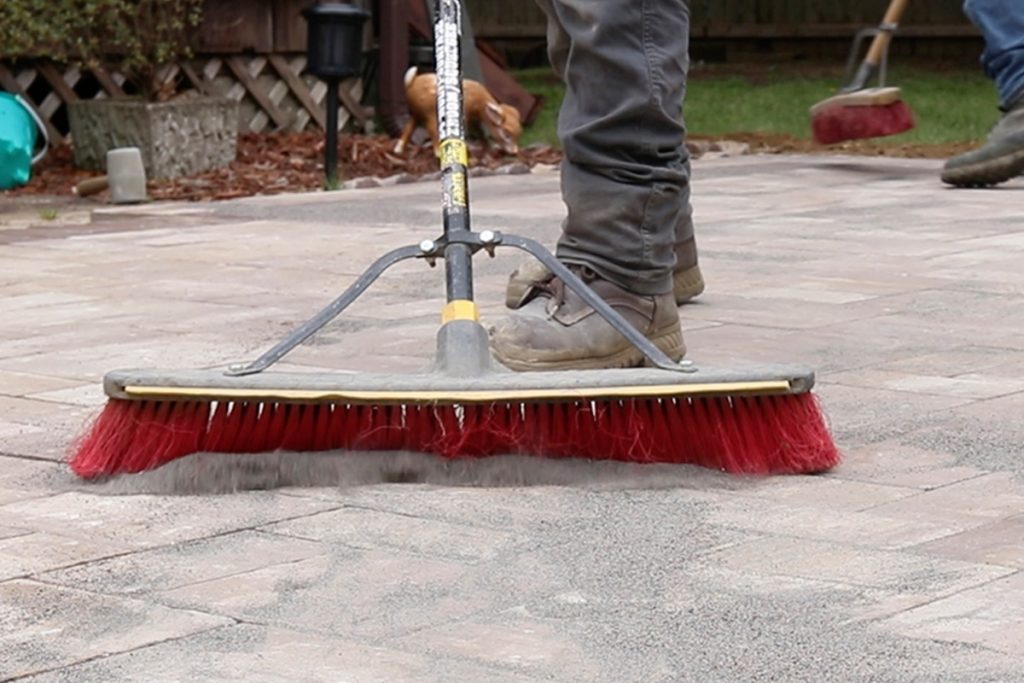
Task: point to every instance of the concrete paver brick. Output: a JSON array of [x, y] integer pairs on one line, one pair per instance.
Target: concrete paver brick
[[999, 543], [28, 554], [902, 564], [147, 521], [991, 614], [183, 564], [47, 627], [373, 529], [249, 653]]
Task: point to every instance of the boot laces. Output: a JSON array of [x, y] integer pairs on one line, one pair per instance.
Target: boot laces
[[556, 290]]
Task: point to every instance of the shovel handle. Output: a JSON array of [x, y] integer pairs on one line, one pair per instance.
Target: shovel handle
[[889, 23]]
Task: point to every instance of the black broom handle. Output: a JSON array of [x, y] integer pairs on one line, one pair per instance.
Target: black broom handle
[[454, 157]]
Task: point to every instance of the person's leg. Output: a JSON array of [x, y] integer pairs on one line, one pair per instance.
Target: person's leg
[[1001, 23], [625, 182], [624, 176], [583, 111], [558, 40], [687, 280]]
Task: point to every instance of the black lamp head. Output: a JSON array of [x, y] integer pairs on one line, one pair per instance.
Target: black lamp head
[[334, 47]]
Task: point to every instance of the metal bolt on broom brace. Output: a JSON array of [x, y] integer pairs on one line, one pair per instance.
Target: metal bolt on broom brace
[[463, 347], [752, 419]]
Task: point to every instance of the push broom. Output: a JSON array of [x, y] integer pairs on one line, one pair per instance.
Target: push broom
[[858, 111], [758, 419]]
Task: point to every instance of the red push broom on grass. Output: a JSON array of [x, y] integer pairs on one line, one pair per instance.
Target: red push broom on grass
[[857, 111], [759, 419]]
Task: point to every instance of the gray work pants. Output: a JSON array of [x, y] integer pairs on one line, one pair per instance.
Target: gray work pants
[[626, 171]]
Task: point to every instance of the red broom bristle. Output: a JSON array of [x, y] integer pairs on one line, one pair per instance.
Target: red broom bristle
[[504, 428], [418, 427], [839, 123], [741, 435], [477, 436], [132, 436], [248, 416], [323, 429]]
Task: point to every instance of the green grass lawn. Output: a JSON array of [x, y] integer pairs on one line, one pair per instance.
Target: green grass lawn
[[951, 107], [544, 83]]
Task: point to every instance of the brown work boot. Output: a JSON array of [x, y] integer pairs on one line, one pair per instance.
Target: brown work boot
[[553, 329], [687, 281], [687, 284]]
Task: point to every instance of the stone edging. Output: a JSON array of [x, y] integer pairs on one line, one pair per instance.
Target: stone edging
[[699, 149], [517, 168]]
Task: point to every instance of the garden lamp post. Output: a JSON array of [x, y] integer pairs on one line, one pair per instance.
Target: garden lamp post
[[333, 53]]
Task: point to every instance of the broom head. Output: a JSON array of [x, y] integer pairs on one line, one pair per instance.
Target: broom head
[[867, 113], [763, 420]]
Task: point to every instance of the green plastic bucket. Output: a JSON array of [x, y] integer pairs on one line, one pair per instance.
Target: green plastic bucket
[[19, 129]]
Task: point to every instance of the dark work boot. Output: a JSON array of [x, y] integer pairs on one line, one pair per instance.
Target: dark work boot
[[553, 329], [996, 161]]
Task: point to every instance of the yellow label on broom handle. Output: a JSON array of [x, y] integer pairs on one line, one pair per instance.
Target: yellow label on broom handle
[[460, 309], [453, 151]]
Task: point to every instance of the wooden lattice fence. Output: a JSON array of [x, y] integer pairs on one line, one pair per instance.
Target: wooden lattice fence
[[272, 91], [737, 29]]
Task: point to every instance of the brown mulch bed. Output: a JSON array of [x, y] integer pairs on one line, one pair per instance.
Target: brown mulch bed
[[280, 162], [293, 162], [777, 143]]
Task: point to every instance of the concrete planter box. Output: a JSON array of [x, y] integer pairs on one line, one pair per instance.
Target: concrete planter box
[[177, 138]]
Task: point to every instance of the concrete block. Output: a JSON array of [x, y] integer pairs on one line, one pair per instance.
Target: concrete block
[[177, 138]]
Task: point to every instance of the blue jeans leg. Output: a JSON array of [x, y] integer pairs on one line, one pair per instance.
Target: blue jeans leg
[[1001, 23]]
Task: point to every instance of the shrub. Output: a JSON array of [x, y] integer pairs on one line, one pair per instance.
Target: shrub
[[35, 28], [138, 38]]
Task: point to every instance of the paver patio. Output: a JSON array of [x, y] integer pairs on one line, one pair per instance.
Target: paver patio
[[906, 563]]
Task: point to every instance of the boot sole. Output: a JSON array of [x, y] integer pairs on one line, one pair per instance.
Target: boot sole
[[669, 340], [987, 173]]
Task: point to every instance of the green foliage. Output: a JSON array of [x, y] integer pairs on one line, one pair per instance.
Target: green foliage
[[136, 37], [544, 128], [36, 27]]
